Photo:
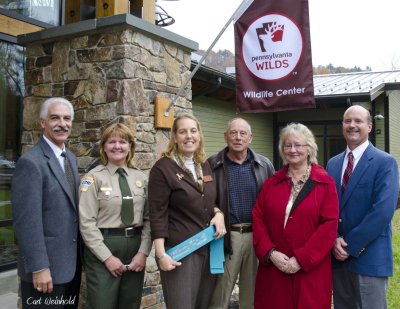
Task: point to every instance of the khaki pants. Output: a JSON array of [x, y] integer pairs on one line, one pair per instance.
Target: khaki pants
[[243, 262]]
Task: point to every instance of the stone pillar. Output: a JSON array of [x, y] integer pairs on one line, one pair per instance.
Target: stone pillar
[[111, 69]]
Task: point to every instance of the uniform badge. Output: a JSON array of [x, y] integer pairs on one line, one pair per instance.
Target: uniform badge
[[86, 183], [106, 190]]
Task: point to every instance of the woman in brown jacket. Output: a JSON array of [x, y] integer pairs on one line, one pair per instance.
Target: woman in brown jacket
[[181, 198]]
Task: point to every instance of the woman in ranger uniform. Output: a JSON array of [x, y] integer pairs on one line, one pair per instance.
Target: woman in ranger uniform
[[114, 223]]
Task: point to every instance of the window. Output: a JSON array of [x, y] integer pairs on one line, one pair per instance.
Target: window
[[47, 11], [11, 94]]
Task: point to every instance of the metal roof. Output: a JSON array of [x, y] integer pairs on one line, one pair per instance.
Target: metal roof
[[368, 84]]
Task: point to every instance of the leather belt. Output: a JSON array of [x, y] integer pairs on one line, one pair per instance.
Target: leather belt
[[246, 228], [129, 231]]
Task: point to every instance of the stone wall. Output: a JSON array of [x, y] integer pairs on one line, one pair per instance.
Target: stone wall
[[110, 75]]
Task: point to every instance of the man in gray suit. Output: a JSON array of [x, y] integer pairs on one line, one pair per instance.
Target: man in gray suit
[[45, 213]]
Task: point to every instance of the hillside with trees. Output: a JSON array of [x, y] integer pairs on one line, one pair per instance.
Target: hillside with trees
[[224, 58]]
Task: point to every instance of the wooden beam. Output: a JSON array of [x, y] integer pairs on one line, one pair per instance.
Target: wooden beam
[[149, 11], [111, 7], [16, 27], [72, 11], [160, 120]]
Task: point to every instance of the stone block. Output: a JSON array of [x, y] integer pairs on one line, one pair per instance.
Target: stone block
[[102, 112], [146, 137], [94, 54], [43, 61], [80, 42], [148, 301], [34, 77], [60, 63], [42, 90], [113, 87], [144, 161], [31, 113], [132, 99], [121, 69]]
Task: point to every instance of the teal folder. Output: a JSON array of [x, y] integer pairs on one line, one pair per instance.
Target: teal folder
[[197, 241]]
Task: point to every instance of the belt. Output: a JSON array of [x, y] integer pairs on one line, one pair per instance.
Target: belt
[[247, 228], [129, 231]]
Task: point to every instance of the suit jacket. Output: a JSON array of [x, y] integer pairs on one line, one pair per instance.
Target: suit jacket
[[366, 210], [45, 214]]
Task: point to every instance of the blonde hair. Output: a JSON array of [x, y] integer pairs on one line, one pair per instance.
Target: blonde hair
[[172, 150], [122, 131], [299, 130]]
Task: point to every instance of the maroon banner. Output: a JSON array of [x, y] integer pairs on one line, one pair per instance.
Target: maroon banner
[[273, 57]]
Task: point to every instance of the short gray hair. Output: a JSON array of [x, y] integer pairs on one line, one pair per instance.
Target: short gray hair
[[228, 125], [44, 110], [299, 130]]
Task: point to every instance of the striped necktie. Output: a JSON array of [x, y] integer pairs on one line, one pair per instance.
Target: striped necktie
[[347, 171]]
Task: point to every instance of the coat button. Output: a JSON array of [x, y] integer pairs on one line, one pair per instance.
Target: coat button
[[340, 220]]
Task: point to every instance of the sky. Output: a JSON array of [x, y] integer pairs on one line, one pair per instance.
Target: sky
[[344, 33]]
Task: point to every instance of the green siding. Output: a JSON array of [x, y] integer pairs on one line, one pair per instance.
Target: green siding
[[380, 125], [394, 124], [214, 115]]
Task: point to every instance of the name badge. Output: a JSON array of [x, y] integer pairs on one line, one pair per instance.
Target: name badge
[[106, 190], [207, 178]]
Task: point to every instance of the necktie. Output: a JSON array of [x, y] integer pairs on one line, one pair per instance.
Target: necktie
[[347, 171], [127, 202], [68, 173]]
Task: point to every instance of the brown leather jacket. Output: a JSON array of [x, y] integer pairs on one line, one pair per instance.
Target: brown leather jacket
[[262, 169]]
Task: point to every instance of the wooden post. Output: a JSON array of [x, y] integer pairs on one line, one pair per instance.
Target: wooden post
[[111, 7], [149, 11], [72, 11]]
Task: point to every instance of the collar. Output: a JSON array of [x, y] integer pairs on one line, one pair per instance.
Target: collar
[[112, 168], [249, 157], [57, 150], [358, 151]]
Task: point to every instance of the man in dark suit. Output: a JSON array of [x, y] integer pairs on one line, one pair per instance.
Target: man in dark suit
[[45, 214], [367, 184]]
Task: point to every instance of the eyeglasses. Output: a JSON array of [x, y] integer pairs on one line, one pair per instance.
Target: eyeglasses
[[287, 147], [234, 134]]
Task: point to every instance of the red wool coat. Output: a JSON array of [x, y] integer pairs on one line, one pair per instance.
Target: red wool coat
[[309, 235]]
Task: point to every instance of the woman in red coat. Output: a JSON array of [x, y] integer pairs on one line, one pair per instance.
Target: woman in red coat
[[294, 228]]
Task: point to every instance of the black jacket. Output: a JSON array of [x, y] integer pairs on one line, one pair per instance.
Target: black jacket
[[262, 169]]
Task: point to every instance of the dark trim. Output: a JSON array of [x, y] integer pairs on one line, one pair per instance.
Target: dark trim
[[372, 135], [5, 223], [9, 266], [275, 140], [8, 38], [386, 115], [307, 187], [214, 87], [25, 19]]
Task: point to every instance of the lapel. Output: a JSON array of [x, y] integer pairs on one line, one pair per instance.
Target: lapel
[[57, 171], [360, 169], [186, 177], [336, 172]]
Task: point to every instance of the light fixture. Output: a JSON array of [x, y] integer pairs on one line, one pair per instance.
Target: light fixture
[[378, 116], [162, 17]]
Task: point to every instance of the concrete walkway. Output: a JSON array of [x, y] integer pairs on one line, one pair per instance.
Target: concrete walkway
[[8, 289]]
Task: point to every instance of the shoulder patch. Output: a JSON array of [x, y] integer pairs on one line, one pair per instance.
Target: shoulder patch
[[86, 183]]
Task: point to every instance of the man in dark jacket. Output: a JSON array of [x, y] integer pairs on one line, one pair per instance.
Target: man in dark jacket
[[239, 174]]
